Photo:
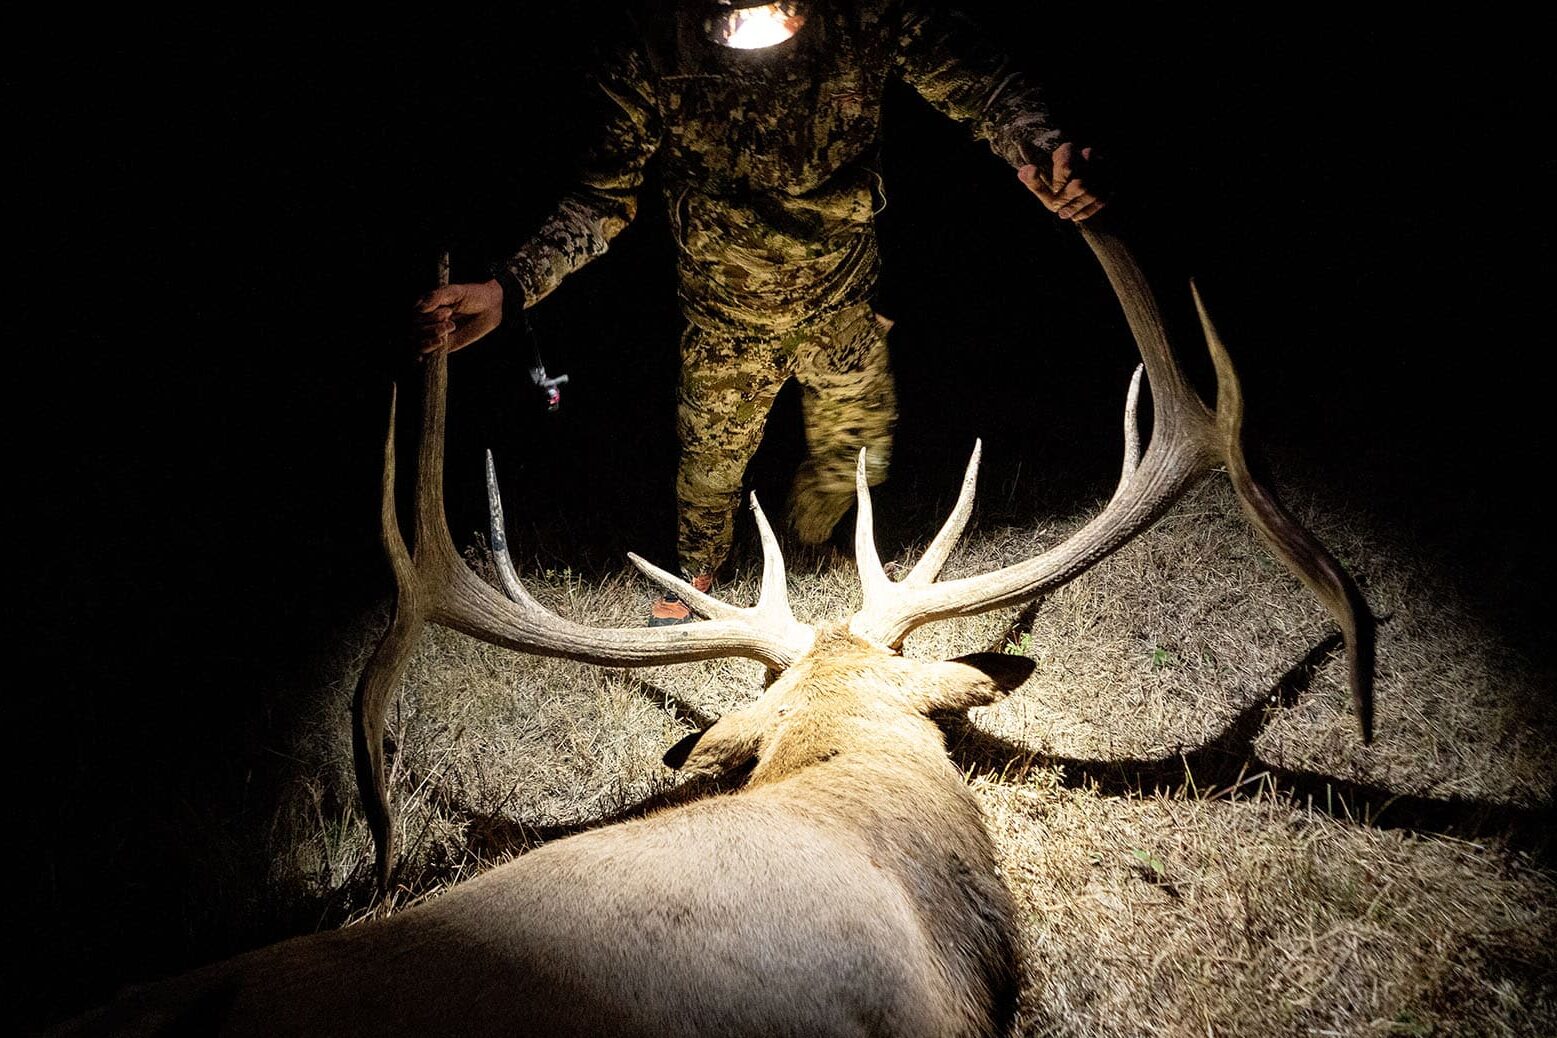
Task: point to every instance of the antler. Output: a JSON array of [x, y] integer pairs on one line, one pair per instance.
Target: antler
[[457, 598], [1188, 440], [434, 583]]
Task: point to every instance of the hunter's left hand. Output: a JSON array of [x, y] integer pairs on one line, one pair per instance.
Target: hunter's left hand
[[1068, 190]]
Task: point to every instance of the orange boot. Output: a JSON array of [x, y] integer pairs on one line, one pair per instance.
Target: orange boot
[[670, 609]]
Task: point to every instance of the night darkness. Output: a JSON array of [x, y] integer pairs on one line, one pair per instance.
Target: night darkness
[[222, 223]]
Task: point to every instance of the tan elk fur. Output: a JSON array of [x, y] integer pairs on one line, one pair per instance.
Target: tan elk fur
[[847, 888]]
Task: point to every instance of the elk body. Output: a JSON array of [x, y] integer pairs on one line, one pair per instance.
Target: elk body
[[847, 888]]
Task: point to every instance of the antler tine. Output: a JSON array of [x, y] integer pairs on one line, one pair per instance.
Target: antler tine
[[772, 601], [1132, 434], [774, 596], [513, 587], [700, 601], [929, 565], [874, 582], [1188, 440], [381, 677], [1288, 539]]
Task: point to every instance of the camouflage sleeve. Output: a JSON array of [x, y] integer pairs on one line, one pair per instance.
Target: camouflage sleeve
[[954, 66], [604, 197]]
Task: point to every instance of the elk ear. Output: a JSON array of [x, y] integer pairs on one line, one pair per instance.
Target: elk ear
[[728, 743], [977, 679], [677, 755]]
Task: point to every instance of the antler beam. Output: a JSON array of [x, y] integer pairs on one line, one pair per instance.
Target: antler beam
[[434, 584], [1188, 440]]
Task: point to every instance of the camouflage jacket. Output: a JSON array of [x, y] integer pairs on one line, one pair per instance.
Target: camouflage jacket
[[769, 156]]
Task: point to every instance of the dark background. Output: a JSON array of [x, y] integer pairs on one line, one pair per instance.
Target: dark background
[[219, 223]]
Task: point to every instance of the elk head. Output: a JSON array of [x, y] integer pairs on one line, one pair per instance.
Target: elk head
[[1189, 439], [848, 696]]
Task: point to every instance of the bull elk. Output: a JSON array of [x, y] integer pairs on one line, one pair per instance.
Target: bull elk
[[848, 887]]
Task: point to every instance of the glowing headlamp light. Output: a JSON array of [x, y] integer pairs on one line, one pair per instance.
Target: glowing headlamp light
[[752, 26]]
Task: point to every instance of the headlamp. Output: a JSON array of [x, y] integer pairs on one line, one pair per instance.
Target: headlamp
[[753, 25]]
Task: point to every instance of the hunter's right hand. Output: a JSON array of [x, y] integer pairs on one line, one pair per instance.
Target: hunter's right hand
[[454, 316]]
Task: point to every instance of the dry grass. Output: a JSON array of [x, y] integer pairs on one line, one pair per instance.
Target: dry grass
[[1168, 915], [1156, 900]]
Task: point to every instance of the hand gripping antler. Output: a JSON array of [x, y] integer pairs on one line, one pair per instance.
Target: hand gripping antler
[[1188, 440], [434, 583]]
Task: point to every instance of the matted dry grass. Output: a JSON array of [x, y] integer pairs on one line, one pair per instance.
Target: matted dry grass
[[1171, 915], [1179, 793]]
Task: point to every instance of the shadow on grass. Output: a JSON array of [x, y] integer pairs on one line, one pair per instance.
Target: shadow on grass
[[1229, 762]]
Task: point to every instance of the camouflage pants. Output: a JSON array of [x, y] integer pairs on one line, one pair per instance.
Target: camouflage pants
[[728, 384]]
